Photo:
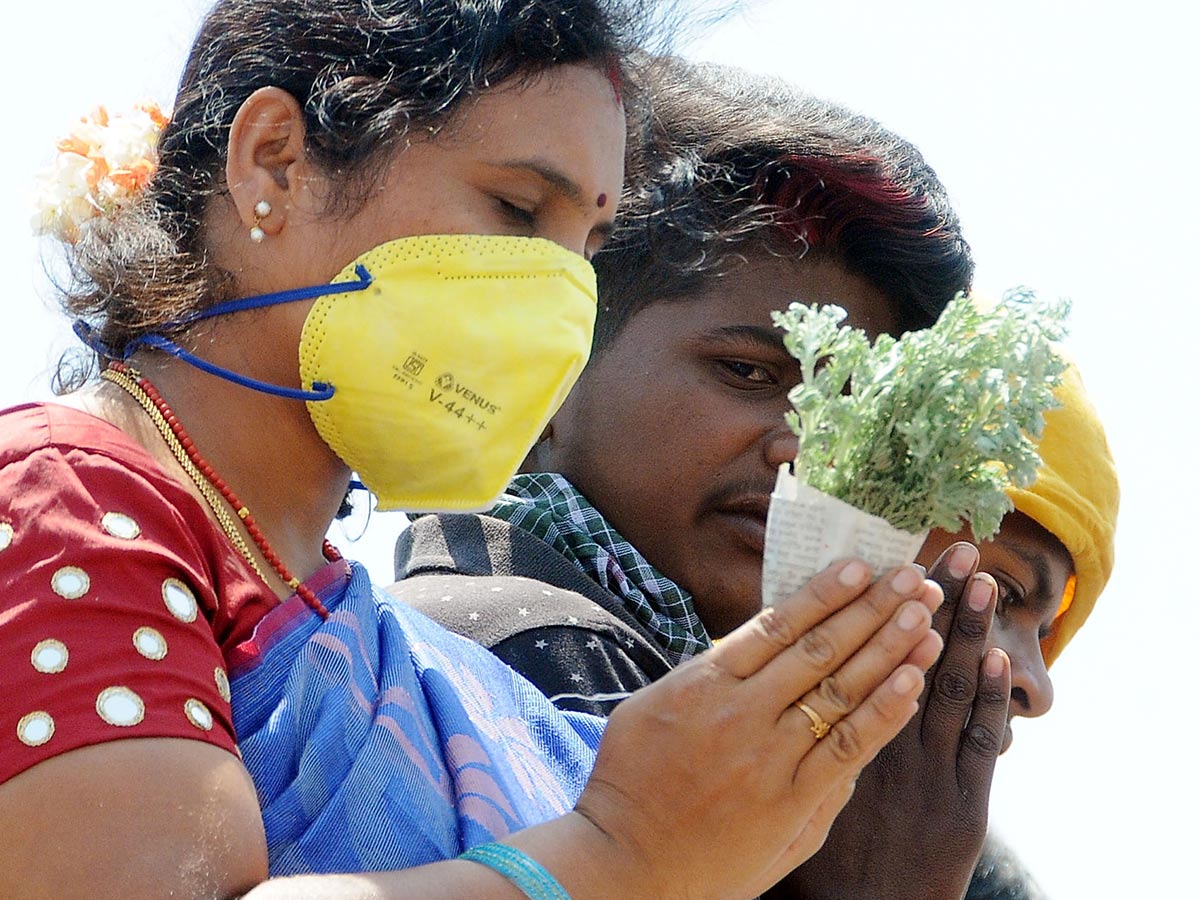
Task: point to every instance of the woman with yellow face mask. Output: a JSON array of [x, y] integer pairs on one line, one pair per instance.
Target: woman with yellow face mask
[[359, 246]]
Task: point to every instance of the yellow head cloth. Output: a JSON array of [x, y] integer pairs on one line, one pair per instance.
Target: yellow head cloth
[[1075, 498]]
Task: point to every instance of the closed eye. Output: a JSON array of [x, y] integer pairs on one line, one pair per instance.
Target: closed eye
[[515, 214]]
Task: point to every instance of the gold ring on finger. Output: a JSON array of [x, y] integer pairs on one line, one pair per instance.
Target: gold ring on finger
[[819, 726]]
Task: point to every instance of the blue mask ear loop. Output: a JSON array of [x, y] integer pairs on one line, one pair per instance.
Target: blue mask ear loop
[[321, 390]]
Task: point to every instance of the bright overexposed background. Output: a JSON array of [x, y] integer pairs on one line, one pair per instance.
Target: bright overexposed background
[[1066, 132]]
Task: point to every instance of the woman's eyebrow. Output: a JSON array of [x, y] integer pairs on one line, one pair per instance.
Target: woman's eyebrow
[[555, 177]]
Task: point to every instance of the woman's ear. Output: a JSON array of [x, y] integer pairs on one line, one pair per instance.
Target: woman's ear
[[263, 169]]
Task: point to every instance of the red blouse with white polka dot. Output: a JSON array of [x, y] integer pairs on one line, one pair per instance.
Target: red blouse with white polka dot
[[119, 598]]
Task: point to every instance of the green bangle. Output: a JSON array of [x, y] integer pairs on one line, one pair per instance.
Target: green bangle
[[521, 869]]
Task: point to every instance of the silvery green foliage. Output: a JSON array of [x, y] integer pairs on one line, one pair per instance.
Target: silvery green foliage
[[929, 430]]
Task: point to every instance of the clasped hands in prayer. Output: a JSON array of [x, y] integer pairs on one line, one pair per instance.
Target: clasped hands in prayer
[[745, 765]]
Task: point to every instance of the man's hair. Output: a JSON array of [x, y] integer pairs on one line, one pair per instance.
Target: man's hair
[[735, 164]]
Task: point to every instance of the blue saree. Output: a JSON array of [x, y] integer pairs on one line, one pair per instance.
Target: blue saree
[[378, 740]]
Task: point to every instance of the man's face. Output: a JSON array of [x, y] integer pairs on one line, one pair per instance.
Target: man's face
[[676, 431]]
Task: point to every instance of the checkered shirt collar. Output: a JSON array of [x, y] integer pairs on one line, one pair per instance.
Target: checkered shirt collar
[[549, 507]]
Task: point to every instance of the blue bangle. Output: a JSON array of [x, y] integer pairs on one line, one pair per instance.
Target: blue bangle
[[519, 868]]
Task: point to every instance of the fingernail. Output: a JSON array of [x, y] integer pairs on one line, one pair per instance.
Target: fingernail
[[910, 617], [993, 663], [979, 594], [854, 573], [906, 580], [905, 681], [962, 560]]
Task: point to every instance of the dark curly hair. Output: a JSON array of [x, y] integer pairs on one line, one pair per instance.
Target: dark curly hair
[[365, 73], [734, 163]]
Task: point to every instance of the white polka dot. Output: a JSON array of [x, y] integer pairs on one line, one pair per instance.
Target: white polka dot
[[50, 656], [120, 706], [6, 535], [36, 728], [497, 590], [120, 525], [198, 714], [70, 582], [150, 643], [180, 600], [222, 684]]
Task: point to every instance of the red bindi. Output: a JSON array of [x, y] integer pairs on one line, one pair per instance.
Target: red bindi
[[602, 201]]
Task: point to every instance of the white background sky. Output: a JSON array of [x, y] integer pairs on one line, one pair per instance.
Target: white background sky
[[1066, 132]]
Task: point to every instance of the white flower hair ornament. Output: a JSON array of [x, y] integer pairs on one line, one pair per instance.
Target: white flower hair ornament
[[103, 164]]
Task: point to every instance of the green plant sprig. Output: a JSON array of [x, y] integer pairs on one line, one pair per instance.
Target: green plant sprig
[[927, 431]]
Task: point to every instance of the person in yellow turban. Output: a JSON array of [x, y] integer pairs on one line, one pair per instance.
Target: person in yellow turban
[[1051, 560], [1054, 553], [1075, 498]]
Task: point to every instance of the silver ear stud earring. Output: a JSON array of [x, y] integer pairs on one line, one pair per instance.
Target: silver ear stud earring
[[262, 209]]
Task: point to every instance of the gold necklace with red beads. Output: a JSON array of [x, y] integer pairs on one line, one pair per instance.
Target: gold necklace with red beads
[[210, 484]]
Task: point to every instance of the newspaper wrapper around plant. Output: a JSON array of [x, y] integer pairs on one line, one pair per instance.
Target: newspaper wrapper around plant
[[807, 530]]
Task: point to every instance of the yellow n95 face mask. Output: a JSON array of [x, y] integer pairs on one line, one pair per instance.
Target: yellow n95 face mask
[[432, 364], [447, 367]]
